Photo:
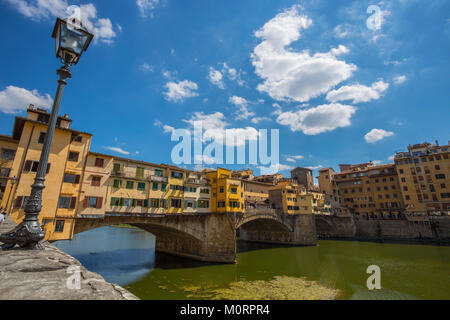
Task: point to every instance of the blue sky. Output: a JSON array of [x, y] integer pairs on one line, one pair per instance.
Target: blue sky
[[338, 91]]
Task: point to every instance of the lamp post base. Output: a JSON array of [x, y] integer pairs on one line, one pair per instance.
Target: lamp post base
[[27, 235]]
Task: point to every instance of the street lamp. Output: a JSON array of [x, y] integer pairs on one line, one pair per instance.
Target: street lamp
[[13, 182], [72, 39]]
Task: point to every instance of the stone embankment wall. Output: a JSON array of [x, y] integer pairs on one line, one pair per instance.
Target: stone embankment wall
[[43, 275], [436, 229]]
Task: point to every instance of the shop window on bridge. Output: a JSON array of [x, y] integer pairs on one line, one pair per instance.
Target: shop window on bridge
[[176, 203], [155, 203], [204, 204], [116, 202], [234, 204], [59, 226], [221, 204]]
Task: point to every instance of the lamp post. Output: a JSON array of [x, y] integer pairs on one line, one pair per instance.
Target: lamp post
[[72, 39], [13, 182]]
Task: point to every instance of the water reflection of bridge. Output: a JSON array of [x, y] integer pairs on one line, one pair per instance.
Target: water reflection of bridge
[[212, 236]]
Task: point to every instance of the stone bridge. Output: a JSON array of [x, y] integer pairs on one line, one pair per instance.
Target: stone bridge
[[211, 237]]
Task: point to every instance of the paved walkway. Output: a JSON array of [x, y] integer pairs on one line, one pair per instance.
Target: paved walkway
[[42, 275]]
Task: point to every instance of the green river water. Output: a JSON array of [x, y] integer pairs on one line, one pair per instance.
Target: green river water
[[332, 269]]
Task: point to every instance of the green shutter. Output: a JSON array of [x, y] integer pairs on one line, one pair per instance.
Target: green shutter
[[113, 201], [145, 203], [122, 202], [133, 203]]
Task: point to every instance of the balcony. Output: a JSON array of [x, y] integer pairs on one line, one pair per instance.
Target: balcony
[[158, 179], [193, 181]]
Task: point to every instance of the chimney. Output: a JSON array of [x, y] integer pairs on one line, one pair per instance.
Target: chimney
[[66, 115], [31, 106], [437, 143]]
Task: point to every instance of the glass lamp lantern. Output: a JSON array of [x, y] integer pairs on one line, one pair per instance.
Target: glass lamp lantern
[[72, 39]]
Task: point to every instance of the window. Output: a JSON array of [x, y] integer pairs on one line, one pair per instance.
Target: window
[[440, 176], [437, 167], [127, 202], [116, 202], [155, 186], [177, 175], [71, 178], [96, 181], [117, 183], [141, 186], [73, 156], [78, 139], [158, 173], [155, 203], [130, 184], [118, 167], [41, 138], [59, 226], [8, 154], [175, 203], [221, 189], [163, 187], [139, 172], [99, 162], [407, 197], [204, 204], [443, 186], [401, 171], [93, 202], [445, 195], [234, 190], [32, 166], [221, 204], [204, 190]]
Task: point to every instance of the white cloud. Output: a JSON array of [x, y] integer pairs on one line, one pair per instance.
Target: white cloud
[[145, 67], [315, 167], [273, 169], [294, 159], [257, 120], [215, 127], [399, 79], [317, 120], [216, 78], [146, 7], [118, 150], [376, 135], [291, 75], [358, 93], [102, 28], [168, 129], [238, 101], [177, 92], [233, 74], [14, 99], [391, 158]]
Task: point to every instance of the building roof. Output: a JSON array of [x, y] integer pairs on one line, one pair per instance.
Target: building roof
[[355, 170]]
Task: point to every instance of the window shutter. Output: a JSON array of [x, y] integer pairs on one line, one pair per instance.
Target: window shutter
[[86, 202], [122, 201], [113, 202], [73, 202], [146, 203], [18, 203], [195, 204], [121, 167], [77, 179], [133, 203], [99, 202], [48, 167], [27, 167]]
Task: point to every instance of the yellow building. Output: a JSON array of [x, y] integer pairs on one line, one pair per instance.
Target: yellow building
[[368, 190], [68, 154], [226, 193], [255, 194], [424, 173], [290, 198], [8, 147]]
